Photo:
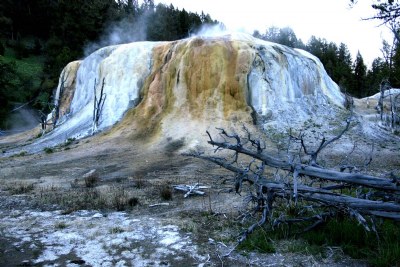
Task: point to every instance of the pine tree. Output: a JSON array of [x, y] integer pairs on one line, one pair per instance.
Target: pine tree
[[395, 70], [360, 75], [379, 71], [343, 70]]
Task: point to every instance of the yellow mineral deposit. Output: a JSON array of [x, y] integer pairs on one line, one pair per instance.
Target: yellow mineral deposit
[[66, 88], [195, 79]]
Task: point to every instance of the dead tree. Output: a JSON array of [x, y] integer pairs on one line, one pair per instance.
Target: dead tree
[[394, 111], [56, 109], [98, 104], [301, 182], [391, 117]]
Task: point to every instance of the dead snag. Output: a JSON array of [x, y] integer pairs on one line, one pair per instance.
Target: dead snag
[[98, 104]]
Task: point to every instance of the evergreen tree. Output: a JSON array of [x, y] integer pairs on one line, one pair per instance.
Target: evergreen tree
[[8, 76], [336, 60], [183, 26], [395, 70], [284, 36], [343, 70], [360, 74], [379, 71], [316, 47]]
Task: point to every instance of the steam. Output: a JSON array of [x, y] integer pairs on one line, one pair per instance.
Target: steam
[[211, 30], [128, 31], [122, 32], [219, 30]]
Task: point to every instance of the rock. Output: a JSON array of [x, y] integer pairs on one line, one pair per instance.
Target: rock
[[78, 261], [26, 263], [91, 173]]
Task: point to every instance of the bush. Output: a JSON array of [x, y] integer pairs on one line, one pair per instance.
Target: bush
[[48, 150], [21, 49], [133, 201], [165, 192], [139, 182], [91, 178]]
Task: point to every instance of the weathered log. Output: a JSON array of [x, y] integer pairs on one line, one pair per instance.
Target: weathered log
[[379, 208], [369, 195], [314, 172]]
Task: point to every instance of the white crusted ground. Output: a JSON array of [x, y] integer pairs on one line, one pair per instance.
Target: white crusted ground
[[113, 239]]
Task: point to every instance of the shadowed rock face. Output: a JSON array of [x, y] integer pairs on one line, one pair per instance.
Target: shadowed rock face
[[184, 87]]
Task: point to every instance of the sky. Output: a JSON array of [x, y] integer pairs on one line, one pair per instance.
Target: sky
[[333, 20]]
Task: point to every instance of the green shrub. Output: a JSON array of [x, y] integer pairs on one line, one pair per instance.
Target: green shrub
[[359, 243], [342, 232], [116, 230], [48, 150], [22, 153], [60, 225], [69, 141]]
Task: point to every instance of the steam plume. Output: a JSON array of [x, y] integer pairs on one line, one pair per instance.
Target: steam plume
[[122, 32]]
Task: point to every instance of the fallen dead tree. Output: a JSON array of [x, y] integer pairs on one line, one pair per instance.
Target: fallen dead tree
[[318, 193]]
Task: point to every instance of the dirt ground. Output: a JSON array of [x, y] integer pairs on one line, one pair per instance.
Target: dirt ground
[[31, 182]]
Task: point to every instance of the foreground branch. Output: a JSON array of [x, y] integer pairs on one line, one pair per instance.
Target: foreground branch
[[366, 195]]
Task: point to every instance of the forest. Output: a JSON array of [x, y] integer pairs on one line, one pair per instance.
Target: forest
[[39, 37]]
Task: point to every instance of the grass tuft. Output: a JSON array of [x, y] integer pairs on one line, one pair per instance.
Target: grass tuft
[[116, 230], [358, 243], [257, 241], [19, 188]]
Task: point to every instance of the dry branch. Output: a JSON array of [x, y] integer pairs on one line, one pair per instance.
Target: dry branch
[[191, 189], [366, 195], [313, 171]]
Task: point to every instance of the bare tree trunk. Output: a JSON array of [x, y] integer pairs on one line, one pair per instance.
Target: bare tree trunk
[[56, 109], [98, 104]]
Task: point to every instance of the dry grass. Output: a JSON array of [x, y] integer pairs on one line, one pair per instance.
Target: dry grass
[[114, 197], [18, 188]]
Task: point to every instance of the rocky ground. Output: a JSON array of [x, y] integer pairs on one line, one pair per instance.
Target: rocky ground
[[111, 202]]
